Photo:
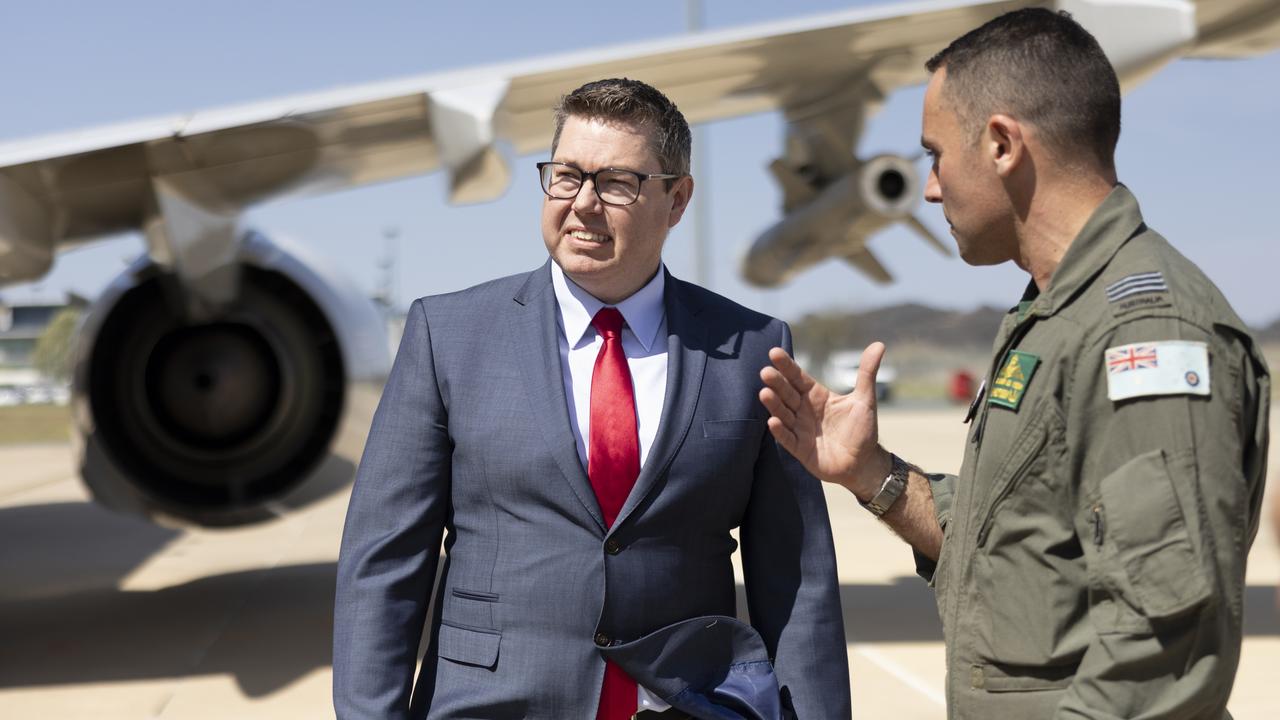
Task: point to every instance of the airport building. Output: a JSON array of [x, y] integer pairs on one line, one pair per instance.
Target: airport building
[[21, 325]]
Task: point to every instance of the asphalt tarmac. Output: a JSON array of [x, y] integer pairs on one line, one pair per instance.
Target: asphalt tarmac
[[104, 616]]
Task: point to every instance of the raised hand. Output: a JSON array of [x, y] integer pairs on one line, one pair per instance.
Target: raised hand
[[834, 436]]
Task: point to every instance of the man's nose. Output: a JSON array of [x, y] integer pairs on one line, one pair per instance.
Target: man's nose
[[933, 188], [587, 201]]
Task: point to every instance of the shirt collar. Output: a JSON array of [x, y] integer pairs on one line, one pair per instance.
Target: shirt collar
[[1116, 220], [643, 310]]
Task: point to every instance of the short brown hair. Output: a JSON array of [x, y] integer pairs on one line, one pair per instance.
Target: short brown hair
[[1041, 67], [635, 103]]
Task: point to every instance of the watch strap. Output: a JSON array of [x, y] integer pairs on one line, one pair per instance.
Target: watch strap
[[891, 489]]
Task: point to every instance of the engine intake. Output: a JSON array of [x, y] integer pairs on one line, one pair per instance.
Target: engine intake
[[216, 422]]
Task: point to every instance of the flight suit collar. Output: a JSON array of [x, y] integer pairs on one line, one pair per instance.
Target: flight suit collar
[[1116, 220]]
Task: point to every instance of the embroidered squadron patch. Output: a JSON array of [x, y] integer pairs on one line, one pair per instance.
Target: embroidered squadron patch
[[1170, 367], [1011, 382], [1136, 291]]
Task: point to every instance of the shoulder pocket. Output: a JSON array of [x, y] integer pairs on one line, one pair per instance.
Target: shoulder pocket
[[1145, 525], [469, 646]]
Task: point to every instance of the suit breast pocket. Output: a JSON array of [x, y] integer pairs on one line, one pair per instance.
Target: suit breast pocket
[[749, 429]]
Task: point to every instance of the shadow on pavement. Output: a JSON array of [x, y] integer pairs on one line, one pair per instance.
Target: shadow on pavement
[[903, 611], [1261, 616], [63, 620], [58, 548], [266, 628]]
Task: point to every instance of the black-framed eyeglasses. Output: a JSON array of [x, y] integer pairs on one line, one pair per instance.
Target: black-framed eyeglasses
[[614, 186]]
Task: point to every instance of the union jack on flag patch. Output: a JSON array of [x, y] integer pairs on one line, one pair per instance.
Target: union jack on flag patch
[[1131, 357]]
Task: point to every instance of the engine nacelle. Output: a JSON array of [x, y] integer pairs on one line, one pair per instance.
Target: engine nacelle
[[230, 420], [837, 221]]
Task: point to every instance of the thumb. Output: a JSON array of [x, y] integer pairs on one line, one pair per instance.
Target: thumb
[[868, 366]]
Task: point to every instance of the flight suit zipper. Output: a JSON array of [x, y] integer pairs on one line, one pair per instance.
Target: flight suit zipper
[[1010, 481], [957, 593]]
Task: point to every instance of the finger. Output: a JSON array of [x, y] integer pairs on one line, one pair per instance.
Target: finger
[[782, 434], [794, 374], [868, 366], [776, 407], [787, 393]]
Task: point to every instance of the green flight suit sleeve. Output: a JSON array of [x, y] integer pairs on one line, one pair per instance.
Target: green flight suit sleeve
[[1169, 497], [943, 488]]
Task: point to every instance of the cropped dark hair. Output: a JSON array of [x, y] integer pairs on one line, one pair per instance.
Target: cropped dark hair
[[1040, 67], [635, 103]]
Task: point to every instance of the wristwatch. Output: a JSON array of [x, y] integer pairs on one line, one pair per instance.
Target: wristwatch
[[890, 490]]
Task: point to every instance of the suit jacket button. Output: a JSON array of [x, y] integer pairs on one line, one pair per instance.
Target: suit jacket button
[[602, 640], [613, 547]]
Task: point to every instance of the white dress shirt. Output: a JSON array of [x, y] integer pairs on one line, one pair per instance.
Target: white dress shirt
[[644, 341]]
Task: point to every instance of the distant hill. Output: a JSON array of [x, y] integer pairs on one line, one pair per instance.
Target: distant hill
[[920, 324], [820, 333], [927, 345], [1269, 334]]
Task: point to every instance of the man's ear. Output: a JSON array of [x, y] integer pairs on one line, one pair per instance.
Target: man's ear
[[1004, 144], [680, 196]]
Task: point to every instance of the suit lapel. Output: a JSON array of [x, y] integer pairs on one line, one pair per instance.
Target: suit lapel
[[686, 360], [536, 348]]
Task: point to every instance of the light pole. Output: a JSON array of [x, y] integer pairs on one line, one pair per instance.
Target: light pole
[[701, 207]]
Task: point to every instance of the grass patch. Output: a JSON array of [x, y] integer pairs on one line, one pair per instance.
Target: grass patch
[[22, 424]]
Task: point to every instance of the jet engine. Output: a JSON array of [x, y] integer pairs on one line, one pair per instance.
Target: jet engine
[[836, 217], [234, 418]]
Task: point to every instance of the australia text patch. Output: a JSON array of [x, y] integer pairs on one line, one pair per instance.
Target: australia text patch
[[1166, 367], [1137, 291], [1011, 382]]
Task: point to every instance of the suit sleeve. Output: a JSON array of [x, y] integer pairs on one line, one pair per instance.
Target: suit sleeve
[[793, 592], [1169, 500], [391, 542]]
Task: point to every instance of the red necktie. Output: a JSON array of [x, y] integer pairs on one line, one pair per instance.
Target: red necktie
[[613, 463]]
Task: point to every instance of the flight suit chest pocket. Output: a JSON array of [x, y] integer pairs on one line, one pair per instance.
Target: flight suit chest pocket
[[1140, 521], [1025, 559], [1025, 457]]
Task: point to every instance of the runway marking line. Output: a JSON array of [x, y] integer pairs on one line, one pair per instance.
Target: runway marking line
[[904, 676]]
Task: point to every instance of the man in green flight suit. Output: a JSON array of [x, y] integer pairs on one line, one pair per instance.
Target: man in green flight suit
[[1089, 560]]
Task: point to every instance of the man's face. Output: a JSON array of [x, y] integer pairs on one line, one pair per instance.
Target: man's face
[[963, 179], [610, 251]]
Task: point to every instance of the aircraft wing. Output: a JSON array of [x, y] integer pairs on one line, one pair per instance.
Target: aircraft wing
[[1236, 29], [186, 177], [61, 190]]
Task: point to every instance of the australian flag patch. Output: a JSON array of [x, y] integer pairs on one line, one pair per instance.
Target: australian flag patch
[[1139, 290]]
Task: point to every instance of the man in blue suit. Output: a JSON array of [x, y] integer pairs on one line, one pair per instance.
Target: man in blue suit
[[585, 437]]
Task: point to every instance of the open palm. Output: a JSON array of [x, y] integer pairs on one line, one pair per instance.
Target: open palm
[[834, 436]]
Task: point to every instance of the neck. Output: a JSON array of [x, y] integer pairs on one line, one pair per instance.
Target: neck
[[1055, 212]]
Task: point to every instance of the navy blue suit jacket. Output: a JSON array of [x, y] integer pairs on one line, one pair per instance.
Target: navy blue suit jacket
[[472, 443]]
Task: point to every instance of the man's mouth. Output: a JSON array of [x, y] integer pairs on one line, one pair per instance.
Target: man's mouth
[[588, 236]]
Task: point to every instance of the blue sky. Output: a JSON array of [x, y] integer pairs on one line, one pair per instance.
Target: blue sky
[[1198, 146]]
